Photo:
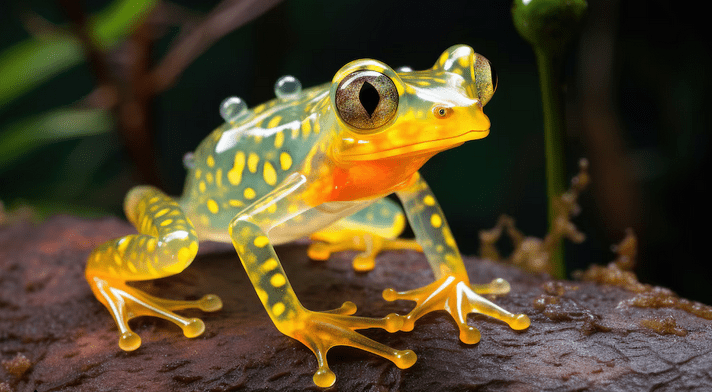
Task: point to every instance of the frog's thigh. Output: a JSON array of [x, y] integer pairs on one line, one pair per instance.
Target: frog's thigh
[[371, 230], [166, 244]]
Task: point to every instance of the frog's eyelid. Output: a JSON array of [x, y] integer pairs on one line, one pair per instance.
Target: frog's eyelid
[[367, 65]]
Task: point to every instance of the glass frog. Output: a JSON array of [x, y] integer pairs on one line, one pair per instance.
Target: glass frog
[[315, 162]]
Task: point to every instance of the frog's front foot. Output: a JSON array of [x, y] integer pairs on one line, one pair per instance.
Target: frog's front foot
[[459, 298], [320, 331], [370, 245], [125, 303]]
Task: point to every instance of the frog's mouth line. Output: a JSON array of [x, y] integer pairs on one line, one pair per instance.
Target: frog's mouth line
[[430, 146]]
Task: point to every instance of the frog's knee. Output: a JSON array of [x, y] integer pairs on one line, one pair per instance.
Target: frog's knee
[[133, 197]]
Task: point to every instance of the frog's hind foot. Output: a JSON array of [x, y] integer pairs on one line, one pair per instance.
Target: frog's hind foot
[[125, 303], [320, 331], [455, 295], [370, 245]]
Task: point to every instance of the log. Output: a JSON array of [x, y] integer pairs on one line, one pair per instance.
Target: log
[[55, 336]]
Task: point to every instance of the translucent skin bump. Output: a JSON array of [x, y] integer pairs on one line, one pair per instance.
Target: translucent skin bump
[[315, 162]]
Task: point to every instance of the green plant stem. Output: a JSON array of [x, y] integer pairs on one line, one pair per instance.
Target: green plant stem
[[550, 67]]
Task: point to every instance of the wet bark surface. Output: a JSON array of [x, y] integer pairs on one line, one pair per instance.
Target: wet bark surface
[[55, 336]]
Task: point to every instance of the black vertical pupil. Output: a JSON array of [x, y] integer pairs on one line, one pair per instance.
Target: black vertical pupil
[[369, 98]]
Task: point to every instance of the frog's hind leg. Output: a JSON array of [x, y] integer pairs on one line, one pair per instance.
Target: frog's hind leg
[[166, 245], [370, 231]]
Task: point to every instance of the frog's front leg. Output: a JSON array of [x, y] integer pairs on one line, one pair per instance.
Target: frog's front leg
[[166, 245], [317, 330], [451, 290], [370, 231]]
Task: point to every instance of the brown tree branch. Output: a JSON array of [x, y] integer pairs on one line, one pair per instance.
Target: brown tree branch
[[223, 19]]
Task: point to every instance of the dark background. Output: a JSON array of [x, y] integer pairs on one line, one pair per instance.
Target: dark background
[[637, 106]]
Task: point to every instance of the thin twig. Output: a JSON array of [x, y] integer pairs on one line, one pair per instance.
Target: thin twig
[[223, 19]]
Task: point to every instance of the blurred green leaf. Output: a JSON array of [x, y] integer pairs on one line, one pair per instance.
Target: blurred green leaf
[[32, 62], [28, 134]]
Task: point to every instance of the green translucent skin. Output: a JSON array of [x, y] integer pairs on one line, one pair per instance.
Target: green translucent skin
[[294, 167]]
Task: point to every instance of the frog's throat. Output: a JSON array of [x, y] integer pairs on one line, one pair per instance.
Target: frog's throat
[[419, 148]]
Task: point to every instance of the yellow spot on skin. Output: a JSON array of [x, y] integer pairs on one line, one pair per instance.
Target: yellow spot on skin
[[201, 186], [213, 206], [210, 161], [166, 222], [235, 203], [197, 173], [452, 259], [184, 255], [261, 241], [463, 61], [274, 121], [252, 161], [235, 174], [306, 128], [162, 212], [123, 244], [285, 160], [278, 280], [218, 178], [279, 140], [272, 208], [117, 259], [204, 220], [449, 239], [262, 294], [209, 177], [269, 265], [249, 193], [269, 174], [151, 245], [429, 200], [132, 267], [278, 309], [436, 221]]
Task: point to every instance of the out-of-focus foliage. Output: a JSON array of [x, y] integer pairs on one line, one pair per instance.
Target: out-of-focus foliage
[[23, 136], [31, 62]]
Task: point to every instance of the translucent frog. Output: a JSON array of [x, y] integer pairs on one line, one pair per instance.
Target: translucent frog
[[319, 163]]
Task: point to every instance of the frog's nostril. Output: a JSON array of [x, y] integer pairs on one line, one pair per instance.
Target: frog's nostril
[[369, 98]]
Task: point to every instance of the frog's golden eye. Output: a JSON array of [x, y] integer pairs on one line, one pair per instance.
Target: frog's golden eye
[[366, 100], [485, 79], [494, 78]]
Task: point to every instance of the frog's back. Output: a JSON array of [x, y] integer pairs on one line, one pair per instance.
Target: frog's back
[[242, 160]]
